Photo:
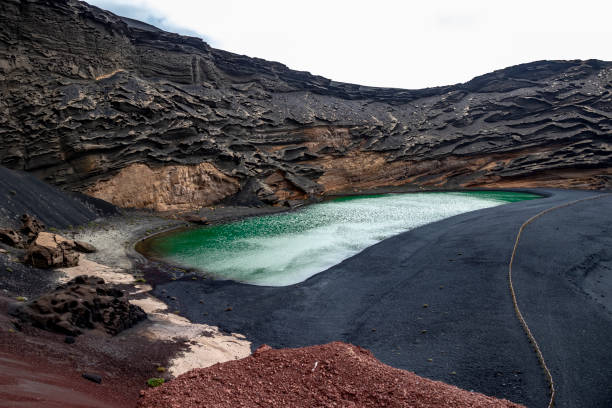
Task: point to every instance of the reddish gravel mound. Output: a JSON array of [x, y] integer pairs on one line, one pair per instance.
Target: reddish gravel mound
[[335, 374]]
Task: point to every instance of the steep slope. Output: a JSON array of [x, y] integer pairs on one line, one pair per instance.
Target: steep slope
[[21, 193], [102, 104]]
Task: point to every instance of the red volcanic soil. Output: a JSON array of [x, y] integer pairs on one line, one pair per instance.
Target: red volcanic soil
[[334, 374], [39, 369]]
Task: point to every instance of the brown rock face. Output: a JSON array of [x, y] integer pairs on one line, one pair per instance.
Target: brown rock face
[[334, 374], [166, 188], [107, 102], [51, 251], [10, 237], [31, 226], [84, 303], [84, 247]]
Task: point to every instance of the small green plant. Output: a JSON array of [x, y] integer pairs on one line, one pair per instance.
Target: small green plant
[[9, 269], [141, 280], [155, 382], [52, 229], [21, 299], [161, 369]]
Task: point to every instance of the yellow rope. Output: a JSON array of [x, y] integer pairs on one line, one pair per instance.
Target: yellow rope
[[519, 315]]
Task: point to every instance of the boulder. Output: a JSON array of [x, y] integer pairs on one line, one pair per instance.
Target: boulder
[[51, 251], [84, 303], [84, 247], [31, 226], [10, 237], [195, 219]]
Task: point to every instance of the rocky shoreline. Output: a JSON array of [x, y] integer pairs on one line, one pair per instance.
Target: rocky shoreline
[[172, 133], [457, 267], [184, 311], [187, 345], [179, 345]]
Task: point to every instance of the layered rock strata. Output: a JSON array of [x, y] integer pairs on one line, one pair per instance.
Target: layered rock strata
[[91, 102]]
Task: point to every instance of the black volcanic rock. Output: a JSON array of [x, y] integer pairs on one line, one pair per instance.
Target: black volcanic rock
[[83, 103], [83, 303]]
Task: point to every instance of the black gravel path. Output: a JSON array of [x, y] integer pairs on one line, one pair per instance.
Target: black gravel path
[[435, 301]]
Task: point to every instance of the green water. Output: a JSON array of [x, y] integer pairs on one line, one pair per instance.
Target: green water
[[287, 248]]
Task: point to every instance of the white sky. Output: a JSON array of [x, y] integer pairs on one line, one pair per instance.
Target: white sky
[[404, 44]]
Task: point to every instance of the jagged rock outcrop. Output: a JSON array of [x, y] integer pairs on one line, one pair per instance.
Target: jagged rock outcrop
[[83, 303], [30, 227], [86, 96], [51, 251], [11, 237]]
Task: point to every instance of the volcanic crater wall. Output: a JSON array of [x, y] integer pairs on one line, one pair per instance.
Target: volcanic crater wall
[[97, 103]]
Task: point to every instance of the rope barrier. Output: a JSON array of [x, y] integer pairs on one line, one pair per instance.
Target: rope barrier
[[517, 310]]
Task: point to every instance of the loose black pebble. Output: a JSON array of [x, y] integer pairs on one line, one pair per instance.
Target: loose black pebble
[[93, 377]]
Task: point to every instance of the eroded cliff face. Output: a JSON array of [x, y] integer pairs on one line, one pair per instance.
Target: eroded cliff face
[[166, 188], [88, 100]]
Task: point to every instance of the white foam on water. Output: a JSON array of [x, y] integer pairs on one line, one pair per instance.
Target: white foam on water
[[284, 249]]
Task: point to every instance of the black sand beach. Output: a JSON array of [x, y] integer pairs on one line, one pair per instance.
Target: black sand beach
[[435, 301]]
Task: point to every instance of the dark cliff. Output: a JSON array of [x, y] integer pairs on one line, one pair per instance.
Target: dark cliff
[[126, 112]]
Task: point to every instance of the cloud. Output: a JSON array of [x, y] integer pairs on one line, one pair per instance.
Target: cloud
[[140, 11], [408, 44]]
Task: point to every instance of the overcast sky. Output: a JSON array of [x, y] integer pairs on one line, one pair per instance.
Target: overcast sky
[[404, 44]]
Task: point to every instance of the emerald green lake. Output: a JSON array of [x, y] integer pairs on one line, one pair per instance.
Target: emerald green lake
[[287, 248]]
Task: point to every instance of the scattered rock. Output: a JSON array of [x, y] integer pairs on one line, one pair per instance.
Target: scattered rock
[[51, 251], [261, 349], [31, 226], [84, 247], [10, 237], [93, 377], [69, 340], [84, 303], [195, 219]]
